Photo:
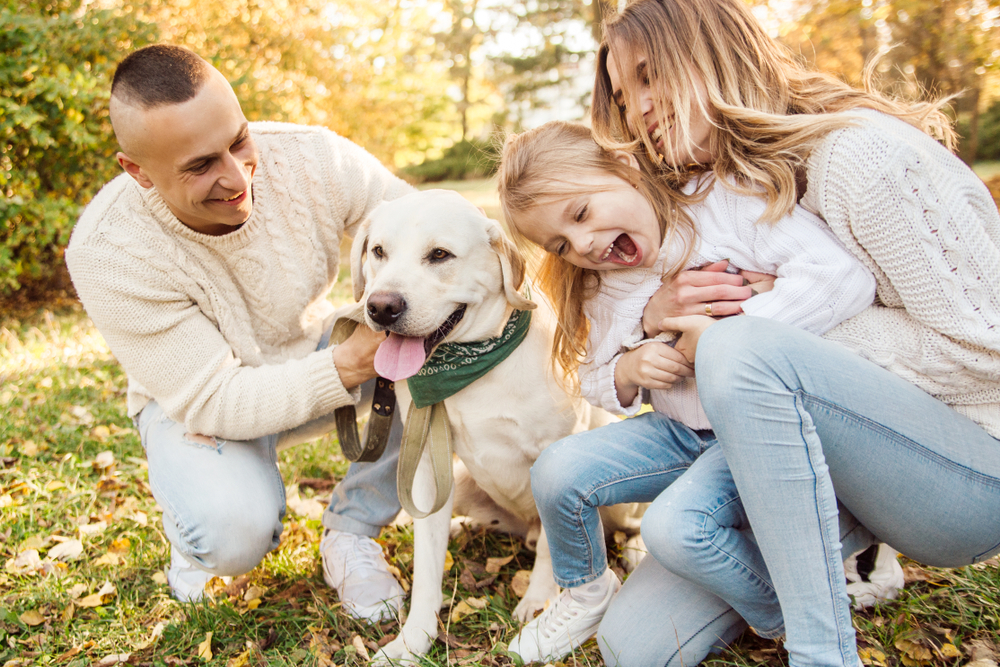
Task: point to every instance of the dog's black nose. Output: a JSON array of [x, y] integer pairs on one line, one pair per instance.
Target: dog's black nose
[[385, 307]]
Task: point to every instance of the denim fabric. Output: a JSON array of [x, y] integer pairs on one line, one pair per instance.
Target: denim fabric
[[697, 528], [803, 422], [627, 461], [223, 505]]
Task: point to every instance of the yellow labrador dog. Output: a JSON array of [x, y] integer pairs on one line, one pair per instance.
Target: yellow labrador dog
[[431, 268]]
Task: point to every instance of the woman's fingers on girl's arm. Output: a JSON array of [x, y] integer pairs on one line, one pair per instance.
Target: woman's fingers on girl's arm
[[759, 282], [680, 295]]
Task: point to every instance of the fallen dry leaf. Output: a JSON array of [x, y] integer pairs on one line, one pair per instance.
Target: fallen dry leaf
[[101, 433], [28, 448], [110, 559], [493, 565], [92, 528], [26, 562], [68, 550], [105, 595], [159, 578], [872, 656], [32, 618], [358, 643], [519, 584], [461, 610], [449, 561], [205, 648], [114, 659], [153, 637]]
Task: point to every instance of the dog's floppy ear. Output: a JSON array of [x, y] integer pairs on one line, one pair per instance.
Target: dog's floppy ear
[[511, 266], [358, 250]]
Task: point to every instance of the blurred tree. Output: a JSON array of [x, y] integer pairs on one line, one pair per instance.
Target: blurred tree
[[925, 47], [363, 69], [56, 144]]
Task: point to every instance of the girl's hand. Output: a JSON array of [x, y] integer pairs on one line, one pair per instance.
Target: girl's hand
[[699, 292], [691, 328], [653, 366], [759, 282]]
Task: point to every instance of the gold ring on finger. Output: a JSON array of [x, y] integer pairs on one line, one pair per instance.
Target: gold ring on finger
[[708, 309]]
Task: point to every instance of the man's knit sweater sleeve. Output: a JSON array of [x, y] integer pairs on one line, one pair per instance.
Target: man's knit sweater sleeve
[[929, 230]]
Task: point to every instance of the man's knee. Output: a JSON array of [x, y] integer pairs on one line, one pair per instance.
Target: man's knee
[[229, 540]]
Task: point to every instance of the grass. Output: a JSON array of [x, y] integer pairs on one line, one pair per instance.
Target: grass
[[987, 169], [77, 518]]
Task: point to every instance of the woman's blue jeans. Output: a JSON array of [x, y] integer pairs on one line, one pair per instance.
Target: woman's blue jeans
[[803, 422]]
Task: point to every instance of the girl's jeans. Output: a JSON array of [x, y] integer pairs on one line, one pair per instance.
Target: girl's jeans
[[223, 502], [803, 422]]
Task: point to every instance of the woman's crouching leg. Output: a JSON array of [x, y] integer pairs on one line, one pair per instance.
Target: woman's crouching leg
[[659, 619]]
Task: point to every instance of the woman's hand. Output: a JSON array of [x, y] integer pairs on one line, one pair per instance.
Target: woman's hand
[[759, 282], [691, 328], [653, 366], [705, 291]]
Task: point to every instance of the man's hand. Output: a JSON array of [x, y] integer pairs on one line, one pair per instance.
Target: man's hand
[[692, 292], [355, 357], [653, 366], [691, 328]]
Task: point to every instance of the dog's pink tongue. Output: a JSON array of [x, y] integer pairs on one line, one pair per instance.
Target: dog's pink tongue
[[399, 357]]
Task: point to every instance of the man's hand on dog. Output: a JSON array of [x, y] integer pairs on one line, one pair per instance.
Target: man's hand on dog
[[355, 357]]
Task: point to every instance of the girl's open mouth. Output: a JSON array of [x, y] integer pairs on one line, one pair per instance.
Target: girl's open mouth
[[623, 251]]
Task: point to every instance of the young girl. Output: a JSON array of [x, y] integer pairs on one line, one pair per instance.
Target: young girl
[[611, 233], [895, 414]]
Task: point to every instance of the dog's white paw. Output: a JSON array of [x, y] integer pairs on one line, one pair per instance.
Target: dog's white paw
[[412, 642]]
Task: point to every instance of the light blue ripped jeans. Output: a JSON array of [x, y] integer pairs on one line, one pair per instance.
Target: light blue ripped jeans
[[223, 503]]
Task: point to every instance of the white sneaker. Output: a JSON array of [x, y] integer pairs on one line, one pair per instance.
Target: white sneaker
[[354, 566], [564, 626], [186, 580], [870, 582]]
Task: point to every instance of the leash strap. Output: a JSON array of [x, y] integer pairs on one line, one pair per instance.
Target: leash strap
[[380, 421], [425, 426]]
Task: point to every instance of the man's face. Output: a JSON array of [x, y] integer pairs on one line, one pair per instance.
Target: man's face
[[198, 154]]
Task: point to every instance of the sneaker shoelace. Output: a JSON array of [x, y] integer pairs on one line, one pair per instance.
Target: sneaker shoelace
[[555, 619], [357, 554]]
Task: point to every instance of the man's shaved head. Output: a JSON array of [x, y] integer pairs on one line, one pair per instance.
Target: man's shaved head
[[148, 78]]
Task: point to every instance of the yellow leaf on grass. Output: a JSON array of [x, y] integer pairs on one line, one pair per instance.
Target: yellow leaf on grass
[[93, 528], [449, 561], [28, 448], [121, 545], [104, 459], [950, 651], [110, 559], [114, 659], [493, 565], [205, 648], [159, 578], [478, 603], [55, 484], [359, 644], [519, 584], [101, 597], [466, 607], [68, 550], [32, 618], [253, 604], [154, 636], [872, 656], [101, 432], [26, 562]]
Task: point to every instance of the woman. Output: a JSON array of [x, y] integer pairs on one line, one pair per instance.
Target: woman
[[896, 412]]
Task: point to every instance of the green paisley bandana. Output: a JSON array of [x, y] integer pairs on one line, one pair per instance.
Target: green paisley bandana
[[453, 366]]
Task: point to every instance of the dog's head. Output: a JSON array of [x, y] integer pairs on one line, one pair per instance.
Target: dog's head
[[430, 267]]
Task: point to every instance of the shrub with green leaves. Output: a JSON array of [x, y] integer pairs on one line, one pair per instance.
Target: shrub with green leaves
[[57, 148]]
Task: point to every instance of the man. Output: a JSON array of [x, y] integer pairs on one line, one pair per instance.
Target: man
[[206, 266]]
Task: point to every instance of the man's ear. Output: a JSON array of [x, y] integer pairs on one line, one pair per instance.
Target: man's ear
[[133, 169], [625, 157]]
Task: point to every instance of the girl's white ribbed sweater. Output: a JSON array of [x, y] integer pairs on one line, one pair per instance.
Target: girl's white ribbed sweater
[[819, 285], [222, 330]]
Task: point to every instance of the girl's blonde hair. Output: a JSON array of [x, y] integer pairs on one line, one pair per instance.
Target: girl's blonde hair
[[540, 166], [768, 110]]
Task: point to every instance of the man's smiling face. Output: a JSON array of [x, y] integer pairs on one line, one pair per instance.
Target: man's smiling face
[[198, 154]]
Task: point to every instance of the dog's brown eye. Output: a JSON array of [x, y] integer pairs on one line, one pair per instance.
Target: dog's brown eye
[[378, 252], [439, 254]]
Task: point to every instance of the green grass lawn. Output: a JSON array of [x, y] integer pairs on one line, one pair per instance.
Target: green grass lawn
[[987, 170], [83, 549]]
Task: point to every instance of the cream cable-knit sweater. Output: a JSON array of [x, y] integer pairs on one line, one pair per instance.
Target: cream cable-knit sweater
[[222, 330], [929, 230], [819, 284]]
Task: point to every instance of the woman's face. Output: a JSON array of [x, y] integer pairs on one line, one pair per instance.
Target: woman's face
[[644, 120]]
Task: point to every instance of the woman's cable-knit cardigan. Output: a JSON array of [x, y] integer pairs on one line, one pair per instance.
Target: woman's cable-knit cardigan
[[928, 228], [222, 330]]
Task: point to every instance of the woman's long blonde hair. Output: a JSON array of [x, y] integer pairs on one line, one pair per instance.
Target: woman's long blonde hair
[[540, 166], [768, 110]]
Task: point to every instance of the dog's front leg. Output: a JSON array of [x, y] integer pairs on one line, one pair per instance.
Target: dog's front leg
[[542, 585], [430, 544]]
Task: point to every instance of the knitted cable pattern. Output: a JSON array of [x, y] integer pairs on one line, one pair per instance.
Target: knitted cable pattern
[[931, 232]]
